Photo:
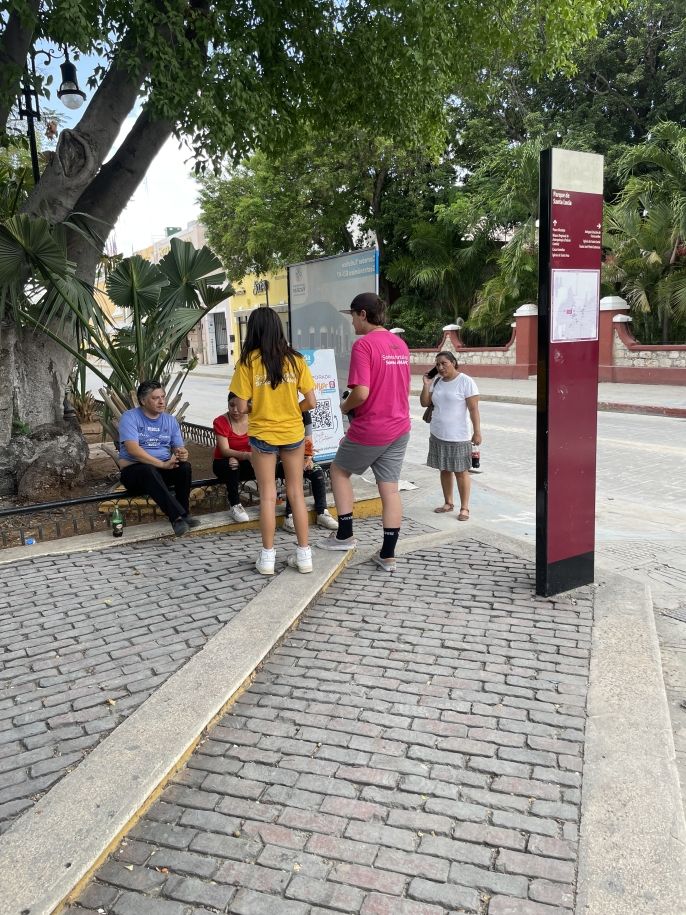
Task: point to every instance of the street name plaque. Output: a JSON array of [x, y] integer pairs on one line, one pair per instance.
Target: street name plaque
[[570, 236]]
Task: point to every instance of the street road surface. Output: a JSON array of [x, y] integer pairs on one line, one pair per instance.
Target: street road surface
[[640, 466]]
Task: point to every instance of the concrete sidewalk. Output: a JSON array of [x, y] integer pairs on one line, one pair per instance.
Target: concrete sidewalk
[[420, 744]]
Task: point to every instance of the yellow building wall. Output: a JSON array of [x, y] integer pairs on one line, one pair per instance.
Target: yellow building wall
[[250, 293]]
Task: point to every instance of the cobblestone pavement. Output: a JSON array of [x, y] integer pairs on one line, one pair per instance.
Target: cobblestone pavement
[[85, 638], [414, 748]]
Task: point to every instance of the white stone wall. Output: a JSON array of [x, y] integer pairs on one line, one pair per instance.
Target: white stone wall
[[663, 358], [481, 356]]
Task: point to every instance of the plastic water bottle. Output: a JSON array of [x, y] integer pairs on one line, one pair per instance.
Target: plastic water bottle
[[29, 541], [117, 522]]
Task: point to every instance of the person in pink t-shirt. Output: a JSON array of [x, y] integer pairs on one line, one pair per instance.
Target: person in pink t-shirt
[[378, 407]]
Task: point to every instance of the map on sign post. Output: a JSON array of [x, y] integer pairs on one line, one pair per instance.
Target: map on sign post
[[574, 305]]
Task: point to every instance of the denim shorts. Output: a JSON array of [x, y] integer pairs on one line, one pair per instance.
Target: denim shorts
[[267, 448]]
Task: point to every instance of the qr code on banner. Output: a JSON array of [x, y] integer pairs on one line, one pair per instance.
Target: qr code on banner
[[322, 417]]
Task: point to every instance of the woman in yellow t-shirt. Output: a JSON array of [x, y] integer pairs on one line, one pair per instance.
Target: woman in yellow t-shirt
[[272, 375]]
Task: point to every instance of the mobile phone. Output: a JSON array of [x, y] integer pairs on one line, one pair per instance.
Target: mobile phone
[[432, 372]]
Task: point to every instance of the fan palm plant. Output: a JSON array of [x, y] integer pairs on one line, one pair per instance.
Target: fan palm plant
[[38, 289]]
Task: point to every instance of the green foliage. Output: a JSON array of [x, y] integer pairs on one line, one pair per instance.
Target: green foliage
[[85, 405], [16, 179], [481, 254], [322, 197], [438, 267], [234, 75], [625, 81], [645, 232], [19, 427], [166, 301], [422, 324]]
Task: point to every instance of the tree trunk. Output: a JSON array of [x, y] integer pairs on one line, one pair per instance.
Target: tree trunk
[[15, 42], [37, 371], [81, 152], [35, 374]]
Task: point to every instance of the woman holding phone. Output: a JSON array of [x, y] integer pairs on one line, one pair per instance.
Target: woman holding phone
[[455, 400]]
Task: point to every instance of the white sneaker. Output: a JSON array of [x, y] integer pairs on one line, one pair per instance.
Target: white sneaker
[[288, 524], [327, 521], [302, 560], [388, 565], [265, 562], [238, 513]]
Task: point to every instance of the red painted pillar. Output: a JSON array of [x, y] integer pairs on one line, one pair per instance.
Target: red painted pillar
[[610, 306], [526, 339]]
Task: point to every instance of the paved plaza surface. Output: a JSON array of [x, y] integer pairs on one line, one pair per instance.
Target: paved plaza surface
[[415, 746], [88, 636], [437, 740]]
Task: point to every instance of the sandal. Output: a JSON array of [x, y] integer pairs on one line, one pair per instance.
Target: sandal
[[443, 509], [463, 514]]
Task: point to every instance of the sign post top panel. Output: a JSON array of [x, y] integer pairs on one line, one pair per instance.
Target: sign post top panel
[[577, 171]]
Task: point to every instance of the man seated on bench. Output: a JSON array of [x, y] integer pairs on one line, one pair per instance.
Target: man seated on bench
[[153, 458]]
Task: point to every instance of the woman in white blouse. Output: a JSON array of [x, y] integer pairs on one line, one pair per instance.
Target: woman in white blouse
[[455, 400]]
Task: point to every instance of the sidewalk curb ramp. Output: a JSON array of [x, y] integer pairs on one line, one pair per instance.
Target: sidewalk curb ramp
[[632, 853], [47, 854]]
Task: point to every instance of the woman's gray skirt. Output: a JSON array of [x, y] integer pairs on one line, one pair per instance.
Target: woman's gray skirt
[[453, 456]]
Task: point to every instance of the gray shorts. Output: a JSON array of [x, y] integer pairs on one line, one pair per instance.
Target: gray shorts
[[384, 460]]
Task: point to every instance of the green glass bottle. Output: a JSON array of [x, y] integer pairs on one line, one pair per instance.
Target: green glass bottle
[[117, 522]]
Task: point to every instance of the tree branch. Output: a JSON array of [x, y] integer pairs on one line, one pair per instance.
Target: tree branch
[[81, 152], [15, 42], [108, 193]]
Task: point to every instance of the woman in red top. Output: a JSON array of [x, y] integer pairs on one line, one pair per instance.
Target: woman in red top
[[232, 464]]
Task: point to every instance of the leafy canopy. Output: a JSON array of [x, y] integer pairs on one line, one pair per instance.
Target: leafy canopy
[[237, 74]]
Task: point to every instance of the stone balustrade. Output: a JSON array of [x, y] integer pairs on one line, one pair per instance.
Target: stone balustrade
[[621, 357]]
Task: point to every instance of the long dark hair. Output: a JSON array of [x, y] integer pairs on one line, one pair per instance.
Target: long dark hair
[[265, 334]]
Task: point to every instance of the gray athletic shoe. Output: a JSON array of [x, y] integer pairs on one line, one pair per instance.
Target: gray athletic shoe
[[388, 565], [333, 543]]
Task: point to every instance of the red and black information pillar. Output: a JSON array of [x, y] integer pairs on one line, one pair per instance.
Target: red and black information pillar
[[570, 233]]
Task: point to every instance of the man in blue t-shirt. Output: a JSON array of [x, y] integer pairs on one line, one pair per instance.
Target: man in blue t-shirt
[[153, 458]]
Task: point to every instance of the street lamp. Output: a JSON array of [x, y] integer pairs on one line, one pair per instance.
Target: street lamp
[[69, 93]]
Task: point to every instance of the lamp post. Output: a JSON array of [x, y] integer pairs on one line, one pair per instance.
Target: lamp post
[[69, 93]]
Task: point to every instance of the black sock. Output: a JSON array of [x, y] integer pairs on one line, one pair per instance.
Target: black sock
[[390, 538], [345, 526]]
